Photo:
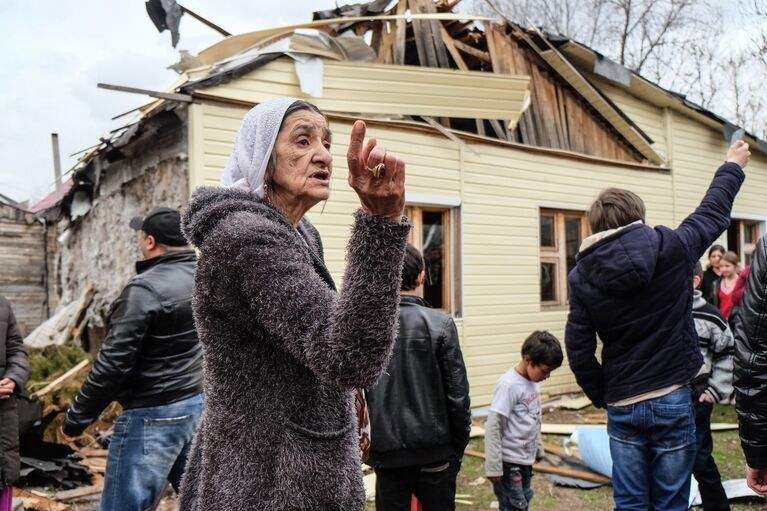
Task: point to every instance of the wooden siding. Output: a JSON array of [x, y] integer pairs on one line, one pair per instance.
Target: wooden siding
[[501, 192], [388, 89], [648, 117], [22, 266]]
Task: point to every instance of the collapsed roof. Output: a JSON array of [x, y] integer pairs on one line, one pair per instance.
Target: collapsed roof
[[563, 110]]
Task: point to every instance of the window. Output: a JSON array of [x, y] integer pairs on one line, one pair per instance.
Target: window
[[561, 234], [435, 233], [742, 236]]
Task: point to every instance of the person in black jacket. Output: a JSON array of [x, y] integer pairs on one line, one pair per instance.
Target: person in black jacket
[[420, 412], [14, 371], [750, 330], [151, 362], [631, 286]]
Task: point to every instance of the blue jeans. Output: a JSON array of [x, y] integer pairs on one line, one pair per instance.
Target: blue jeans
[[514, 492], [652, 444], [148, 446]]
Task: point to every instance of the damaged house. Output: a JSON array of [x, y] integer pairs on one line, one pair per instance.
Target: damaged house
[[508, 134]]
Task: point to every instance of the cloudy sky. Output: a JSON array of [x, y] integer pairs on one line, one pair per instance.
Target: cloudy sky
[[53, 52]]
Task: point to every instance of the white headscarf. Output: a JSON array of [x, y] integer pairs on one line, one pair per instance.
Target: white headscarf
[[246, 168]]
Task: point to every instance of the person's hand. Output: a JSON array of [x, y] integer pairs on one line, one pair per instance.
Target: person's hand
[[382, 196], [66, 438], [756, 479], [739, 153], [705, 398], [494, 479], [7, 386]]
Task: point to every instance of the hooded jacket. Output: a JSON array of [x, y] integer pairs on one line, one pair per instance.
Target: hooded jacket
[[14, 365], [283, 352], [751, 361], [633, 289]]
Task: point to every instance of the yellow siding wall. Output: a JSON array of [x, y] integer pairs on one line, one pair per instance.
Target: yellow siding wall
[[502, 190]]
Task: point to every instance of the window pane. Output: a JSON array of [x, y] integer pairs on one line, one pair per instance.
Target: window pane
[[547, 231], [572, 240], [548, 282], [434, 255]]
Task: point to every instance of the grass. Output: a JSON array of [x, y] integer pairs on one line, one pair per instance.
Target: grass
[[549, 497]]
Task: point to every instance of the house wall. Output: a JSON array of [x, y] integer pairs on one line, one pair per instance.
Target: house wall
[[102, 249], [22, 266], [501, 191]]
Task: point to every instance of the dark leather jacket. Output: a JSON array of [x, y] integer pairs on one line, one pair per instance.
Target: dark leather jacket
[[750, 331], [419, 409], [151, 355]]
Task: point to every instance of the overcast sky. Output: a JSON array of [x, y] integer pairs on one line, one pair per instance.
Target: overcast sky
[[53, 52]]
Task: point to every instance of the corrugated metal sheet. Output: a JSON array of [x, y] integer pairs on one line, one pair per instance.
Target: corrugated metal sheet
[[388, 90]]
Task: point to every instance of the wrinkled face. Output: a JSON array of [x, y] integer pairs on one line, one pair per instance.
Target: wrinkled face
[[303, 160], [726, 268], [538, 373], [714, 258]]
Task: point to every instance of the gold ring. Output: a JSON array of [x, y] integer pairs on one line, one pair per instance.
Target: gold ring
[[378, 171]]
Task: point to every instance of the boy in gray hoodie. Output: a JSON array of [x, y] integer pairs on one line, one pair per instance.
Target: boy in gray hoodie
[[712, 385]]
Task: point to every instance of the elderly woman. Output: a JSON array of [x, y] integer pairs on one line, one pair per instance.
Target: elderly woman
[[283, 350]]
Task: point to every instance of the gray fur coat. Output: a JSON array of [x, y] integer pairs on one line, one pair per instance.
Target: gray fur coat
[[282, 354]]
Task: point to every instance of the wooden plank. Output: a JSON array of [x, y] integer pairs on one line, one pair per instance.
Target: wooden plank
[[482, 55], [548, 469], [434, 32], [568, 472], [78, 493], [399, 47], [421, 43], [449, 44], [387, 43], [61, 380]]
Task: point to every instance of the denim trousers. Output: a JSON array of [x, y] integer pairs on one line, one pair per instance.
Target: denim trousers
[[705, 470], [433, 484], [652, 444], [149, 446], [514, 492]]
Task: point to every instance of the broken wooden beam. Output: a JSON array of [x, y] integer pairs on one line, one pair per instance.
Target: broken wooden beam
[[78, 493], [171, 96], [568, 472], [61, 380], [482, 55], [548, 469]]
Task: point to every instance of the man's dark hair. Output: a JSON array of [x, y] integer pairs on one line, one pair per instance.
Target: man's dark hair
[[411, 268], [698, 271], [543, 348], [615, 208]]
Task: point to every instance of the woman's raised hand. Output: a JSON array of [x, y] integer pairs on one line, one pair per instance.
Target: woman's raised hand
[[378, 177]]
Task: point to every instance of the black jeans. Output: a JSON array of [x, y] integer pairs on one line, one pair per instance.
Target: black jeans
[[433, 484], [705, 469]]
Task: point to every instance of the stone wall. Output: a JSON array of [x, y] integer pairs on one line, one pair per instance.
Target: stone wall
[[101, 248]]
